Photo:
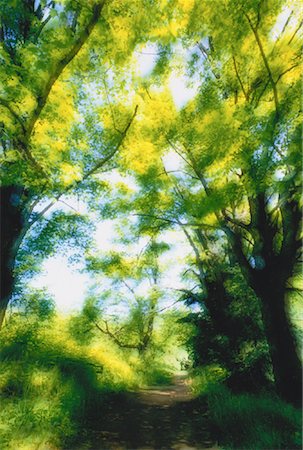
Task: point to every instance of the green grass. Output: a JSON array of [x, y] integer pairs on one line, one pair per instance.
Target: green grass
[[247, 421], [51, 387]]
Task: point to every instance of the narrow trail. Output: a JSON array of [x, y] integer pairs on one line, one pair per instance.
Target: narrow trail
[[160, 417]]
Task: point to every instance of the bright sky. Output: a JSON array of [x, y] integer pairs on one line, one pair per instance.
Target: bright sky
[[67, 284]]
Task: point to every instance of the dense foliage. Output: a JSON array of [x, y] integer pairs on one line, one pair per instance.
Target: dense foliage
[[204, 198]]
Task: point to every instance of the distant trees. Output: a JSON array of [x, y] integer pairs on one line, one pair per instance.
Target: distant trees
[[126, 316]]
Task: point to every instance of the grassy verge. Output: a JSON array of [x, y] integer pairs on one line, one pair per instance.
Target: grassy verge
[[51, 388], [247, 421]]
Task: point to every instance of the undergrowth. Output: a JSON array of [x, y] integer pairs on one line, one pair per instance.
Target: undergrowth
[[50, 386], [246, 421]]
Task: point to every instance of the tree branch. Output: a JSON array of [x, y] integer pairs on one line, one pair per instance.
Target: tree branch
[[199, 262], [190, 294], [7, 105], [90, 172], [55, 74], [266, 64], [296, 31], [114, 151], [45, 22], [109, 333], [178, 152], [286, 71], [236, 222], [240, 81], [128, 287]]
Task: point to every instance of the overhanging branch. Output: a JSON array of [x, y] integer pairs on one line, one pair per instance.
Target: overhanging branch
[[60, 66], [265, 61], [90, 172]]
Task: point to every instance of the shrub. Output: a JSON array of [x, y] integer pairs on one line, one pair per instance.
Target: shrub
[[203, 378]]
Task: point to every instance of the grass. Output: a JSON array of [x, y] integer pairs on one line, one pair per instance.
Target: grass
[[247, 421], [51, 387]]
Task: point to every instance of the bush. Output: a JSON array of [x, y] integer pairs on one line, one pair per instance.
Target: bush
[[246, 421], [204, 378]]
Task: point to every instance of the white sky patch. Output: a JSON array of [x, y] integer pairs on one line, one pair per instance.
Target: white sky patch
[[173, 260], [172, 161], [181, 90], [69, 286], [104, 235], [115, 177], [280, 173], [66, 286], [181, 86], [146, 59], [281, 21]]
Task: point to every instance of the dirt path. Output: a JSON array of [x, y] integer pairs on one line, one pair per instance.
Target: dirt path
[[165, 417]]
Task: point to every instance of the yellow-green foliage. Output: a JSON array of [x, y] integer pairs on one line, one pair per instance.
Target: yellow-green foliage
[[48, 383], [116, 370], [39, 413]]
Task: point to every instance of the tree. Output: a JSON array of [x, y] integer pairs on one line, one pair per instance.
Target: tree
[[238, 178], [239, 141], [229, 328], [122, 313], [48, 47]]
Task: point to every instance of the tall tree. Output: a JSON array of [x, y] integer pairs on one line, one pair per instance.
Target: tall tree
[[241, 141], [49, 48]]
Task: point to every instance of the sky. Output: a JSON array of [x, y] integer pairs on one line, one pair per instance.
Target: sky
[[69, 286], [66, 283]]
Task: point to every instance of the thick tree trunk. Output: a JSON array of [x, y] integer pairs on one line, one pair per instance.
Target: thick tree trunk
[[269, 285], [11, 231], [269, 279], [282, 345]]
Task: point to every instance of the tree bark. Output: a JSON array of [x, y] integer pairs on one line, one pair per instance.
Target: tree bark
[[268, 278], [282, 344], [11, 233]]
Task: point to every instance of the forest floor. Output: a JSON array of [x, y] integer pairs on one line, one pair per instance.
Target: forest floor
[[160, 417]]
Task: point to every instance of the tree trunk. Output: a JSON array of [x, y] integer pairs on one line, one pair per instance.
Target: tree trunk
[[278, 329], [269, 279], [11, 232]]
